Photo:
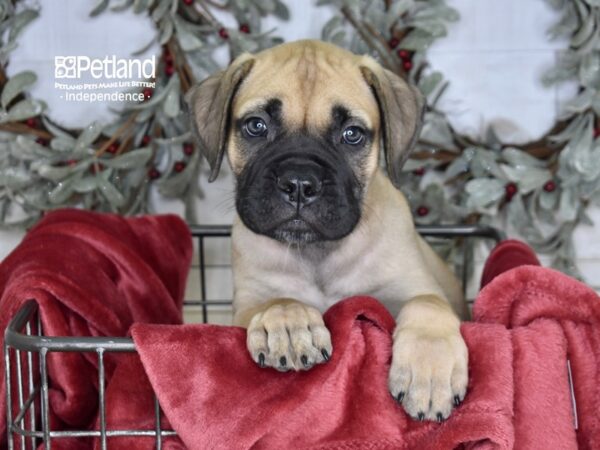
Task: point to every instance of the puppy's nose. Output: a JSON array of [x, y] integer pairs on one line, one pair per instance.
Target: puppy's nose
[[299, 187]]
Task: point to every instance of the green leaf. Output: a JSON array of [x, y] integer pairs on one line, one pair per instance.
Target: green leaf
[[281, 11], [548, 200], [63, 190], [23, 110], [160, 10], [99, 8], [589, 70], [129, 160], [122, 6], [518, 158], [166, 30], [433, 27], [172, 101], [567, 209], [578, 104], [187, 40], [397, 9], [456, 167], [331, 25], [418, 40], [483, 192], [573, 128], [86, 184], [58, 173], [586, 30], [15, 85], [586, 160], [15, 178], [62, 144], [139, 6], [437, 132], [338, 38], [88, 135], [111, 193], [21, 20], [428, 83], [484, 163]]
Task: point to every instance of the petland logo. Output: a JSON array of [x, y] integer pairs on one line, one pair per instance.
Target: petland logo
[[85, 79], [110, 67]]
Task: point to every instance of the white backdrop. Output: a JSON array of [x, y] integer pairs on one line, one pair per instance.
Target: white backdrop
[[494, 57]]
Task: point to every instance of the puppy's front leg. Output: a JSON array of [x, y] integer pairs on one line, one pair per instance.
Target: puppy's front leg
[[429, 371], [285, 334]]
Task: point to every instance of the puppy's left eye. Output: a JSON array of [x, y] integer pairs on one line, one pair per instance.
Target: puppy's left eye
[[353, 135], [255, 127]]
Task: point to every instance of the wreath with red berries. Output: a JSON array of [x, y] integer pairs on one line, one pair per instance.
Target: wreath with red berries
[[540, 190]]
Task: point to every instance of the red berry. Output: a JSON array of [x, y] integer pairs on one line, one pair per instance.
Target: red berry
[[179, 166], [146, 140], [223, 33], [153, 173], [188, 2], [419, 171], [404, 54], [169, 70], [42, 141], [244, 28], [393, 42], [407, 65], [188, 148], [31, 122], [422, 211], [550, 186], [147, 93], [112, 148], [510, 189], [71, 162], [596, 132]]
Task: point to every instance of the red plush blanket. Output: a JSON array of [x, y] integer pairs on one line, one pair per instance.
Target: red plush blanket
[[92, 275], [527, 322]]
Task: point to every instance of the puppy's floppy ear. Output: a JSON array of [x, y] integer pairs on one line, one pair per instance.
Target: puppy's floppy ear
[[401, 108], [210, 106]]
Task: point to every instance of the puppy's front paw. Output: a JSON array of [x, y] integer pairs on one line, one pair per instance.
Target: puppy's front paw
[[429, 372], [288, 336]]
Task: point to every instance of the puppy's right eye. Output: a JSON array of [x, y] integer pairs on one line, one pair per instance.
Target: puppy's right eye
[[255, 127]]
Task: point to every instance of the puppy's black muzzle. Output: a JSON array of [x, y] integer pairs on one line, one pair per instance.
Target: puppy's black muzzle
[[298, 189]]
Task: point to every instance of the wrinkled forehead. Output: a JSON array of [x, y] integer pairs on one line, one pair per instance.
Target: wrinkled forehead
[[310, 84]]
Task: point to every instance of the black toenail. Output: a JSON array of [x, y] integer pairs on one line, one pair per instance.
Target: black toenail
[[456, 400], [440, 417], [261, 360], [304, 360], [400, 396], [325, 354], [283, 361], [421, 416]]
